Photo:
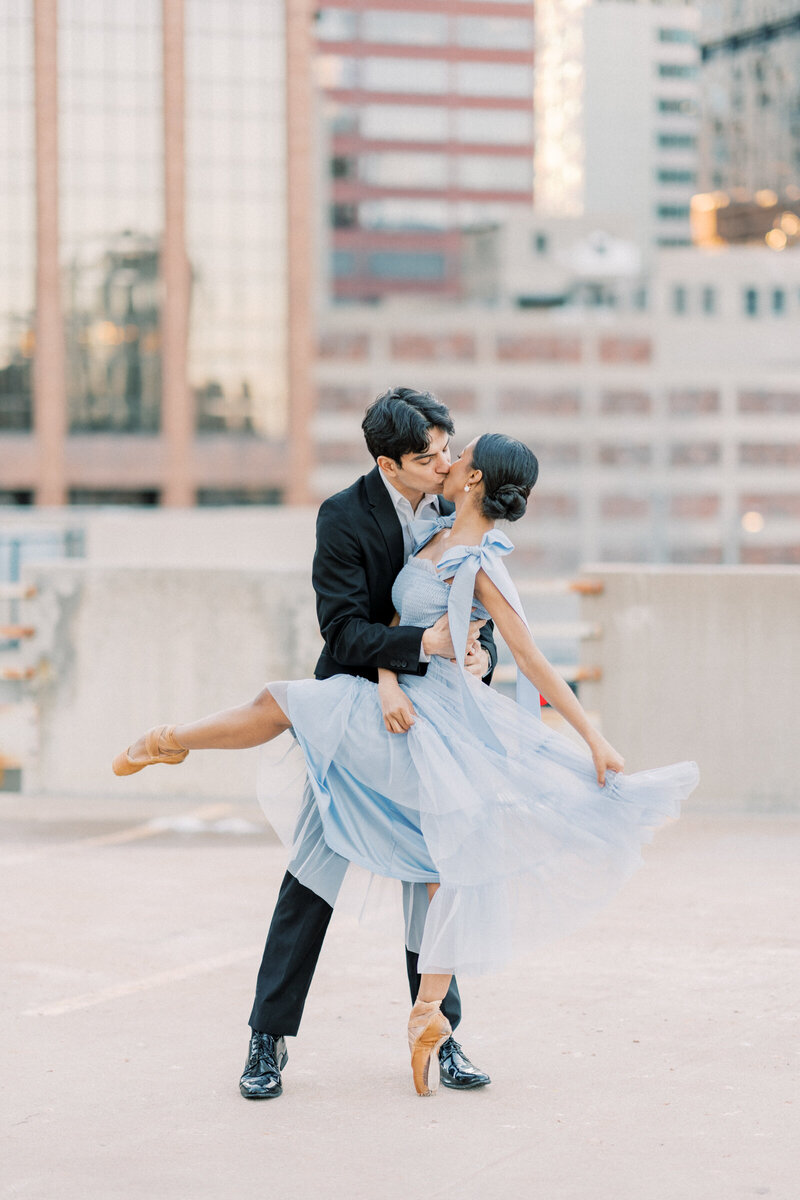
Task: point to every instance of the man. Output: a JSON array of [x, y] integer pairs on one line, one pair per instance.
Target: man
[[363, 540]]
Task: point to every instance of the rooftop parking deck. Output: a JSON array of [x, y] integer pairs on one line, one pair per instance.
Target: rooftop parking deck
[[651, 1057]]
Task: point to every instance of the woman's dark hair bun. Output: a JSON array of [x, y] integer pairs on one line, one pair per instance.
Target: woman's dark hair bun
[[509, 470], [508, 503]]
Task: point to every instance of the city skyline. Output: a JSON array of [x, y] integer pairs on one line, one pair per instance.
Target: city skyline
[[173, 247]]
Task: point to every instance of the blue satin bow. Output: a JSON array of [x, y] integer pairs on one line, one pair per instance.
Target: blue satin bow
[[461, 564], [425, 528]]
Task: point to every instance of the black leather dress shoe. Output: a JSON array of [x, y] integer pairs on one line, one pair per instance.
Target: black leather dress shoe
[[266, 1058], [455, 1069]]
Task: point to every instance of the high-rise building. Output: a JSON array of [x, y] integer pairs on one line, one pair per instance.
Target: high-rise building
[[153, 341], [750, 130], [616, 113], [427, 120], [665, 433], [751, 96]]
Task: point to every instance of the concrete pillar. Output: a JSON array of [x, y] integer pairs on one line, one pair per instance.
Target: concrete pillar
[[177, 410], [301, 185], [49, 365]]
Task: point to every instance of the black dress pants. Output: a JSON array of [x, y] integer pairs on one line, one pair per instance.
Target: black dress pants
[[296, 933]]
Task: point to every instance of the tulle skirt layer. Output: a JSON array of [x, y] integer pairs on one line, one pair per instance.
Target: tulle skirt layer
[[524, 843]]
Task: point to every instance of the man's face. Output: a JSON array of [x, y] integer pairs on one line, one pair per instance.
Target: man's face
[[420, 473]]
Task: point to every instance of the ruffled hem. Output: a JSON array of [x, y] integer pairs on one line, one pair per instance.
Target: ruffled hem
[[525, 843]]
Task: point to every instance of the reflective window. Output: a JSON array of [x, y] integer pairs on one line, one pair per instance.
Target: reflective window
[[709, 300], [343, 264], [405, 170], [336, 71], [497, 126], [399, 264], [679, 299], [408, 28], [17, 204], [405, 214], [225, 497], [676, 36], [111, 212], [236, 214], [490, 33], [676, 176], [750, 302], [341, 118], [404, 75], [677, 141], [404, 122], [677, 70], [673, 212], [336, 25], [677, 106], [493, 173], [126, 497], [493, 79]]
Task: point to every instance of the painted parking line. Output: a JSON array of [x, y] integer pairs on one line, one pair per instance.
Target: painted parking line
[[134, 833], [205, 966]]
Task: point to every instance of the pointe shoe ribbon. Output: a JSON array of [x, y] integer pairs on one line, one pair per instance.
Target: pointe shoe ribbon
[[428, 1029], [160, 747]]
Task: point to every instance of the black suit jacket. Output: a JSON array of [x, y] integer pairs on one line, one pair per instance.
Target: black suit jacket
[[358, 556]]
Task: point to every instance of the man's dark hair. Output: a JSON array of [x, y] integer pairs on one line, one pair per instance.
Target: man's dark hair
[[399, 422]]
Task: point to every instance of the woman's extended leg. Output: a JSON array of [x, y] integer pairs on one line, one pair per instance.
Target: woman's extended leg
[[428, 1027], [232, 729]]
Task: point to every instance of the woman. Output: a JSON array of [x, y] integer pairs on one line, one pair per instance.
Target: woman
[[517, 833]]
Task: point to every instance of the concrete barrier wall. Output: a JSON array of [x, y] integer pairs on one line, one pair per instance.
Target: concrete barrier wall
[[702, 663], [697, 663], [119, 649]]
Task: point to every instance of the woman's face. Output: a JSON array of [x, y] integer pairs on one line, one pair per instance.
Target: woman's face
[[459, 475]]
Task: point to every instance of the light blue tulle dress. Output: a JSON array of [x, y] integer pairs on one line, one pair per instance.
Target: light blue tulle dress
[[479, 796]]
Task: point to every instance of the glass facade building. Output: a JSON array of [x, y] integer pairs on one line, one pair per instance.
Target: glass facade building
[[152, 141], [111, 211], [236, 213], [17, 224]]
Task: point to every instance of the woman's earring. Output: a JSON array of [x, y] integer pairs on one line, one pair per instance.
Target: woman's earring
[[466, 487]]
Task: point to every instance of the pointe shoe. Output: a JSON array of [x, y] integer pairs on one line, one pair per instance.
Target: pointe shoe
[[428, 1028], [160, 746]]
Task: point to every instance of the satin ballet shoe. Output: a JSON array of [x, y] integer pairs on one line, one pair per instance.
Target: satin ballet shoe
[[160, 747], [428, 1029]]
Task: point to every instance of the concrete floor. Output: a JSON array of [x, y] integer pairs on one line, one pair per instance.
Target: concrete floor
[[651, 1057]]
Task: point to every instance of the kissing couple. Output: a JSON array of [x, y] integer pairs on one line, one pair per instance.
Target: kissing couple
[[504, 832]]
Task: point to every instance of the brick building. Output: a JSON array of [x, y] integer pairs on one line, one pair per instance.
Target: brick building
[[427, 124], [665, 434]]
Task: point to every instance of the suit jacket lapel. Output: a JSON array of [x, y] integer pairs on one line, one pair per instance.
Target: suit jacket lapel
[[386, 518]]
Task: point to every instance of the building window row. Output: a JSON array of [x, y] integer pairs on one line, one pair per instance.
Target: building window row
[[434, 123], [676, 141], [754, 301], [675, 106], [677, 71], [424, 29], [672, 212], [676, 175], [420, 169], [426, 76], [400, 265], [675, 37]]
